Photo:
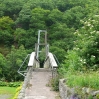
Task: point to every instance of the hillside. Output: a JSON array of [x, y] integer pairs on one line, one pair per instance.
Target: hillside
[[72, 26]]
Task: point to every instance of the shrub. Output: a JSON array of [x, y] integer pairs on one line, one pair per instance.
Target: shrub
[[10, 84], [3, 83], [14, 84], [73, 62]]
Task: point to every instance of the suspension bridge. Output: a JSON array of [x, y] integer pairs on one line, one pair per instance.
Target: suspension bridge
[[38, 74]]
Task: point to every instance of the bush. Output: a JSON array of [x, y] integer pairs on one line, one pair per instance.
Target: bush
[[3, 83], [14, 84], [10, 84], [85, 53], [87, 43]]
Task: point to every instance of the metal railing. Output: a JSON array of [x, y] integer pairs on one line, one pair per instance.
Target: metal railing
[[19, 70], [57, 61]]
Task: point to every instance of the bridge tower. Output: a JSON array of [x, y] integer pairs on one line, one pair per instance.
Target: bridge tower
[[41, 46]]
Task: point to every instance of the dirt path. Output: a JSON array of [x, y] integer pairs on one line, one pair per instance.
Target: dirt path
[[37, 89]]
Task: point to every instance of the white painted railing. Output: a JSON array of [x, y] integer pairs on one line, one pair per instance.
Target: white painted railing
[[32, 59], [52, 60]]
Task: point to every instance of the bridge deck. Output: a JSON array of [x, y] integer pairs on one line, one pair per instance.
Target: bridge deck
[[37, 87]]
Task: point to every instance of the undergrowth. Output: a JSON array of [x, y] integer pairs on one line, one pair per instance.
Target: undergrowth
[[54, 83], [10, 84]]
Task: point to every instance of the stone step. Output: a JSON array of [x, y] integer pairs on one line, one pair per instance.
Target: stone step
[[42, 70], [35, 97]]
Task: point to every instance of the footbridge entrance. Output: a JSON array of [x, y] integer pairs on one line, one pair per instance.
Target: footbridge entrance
[[42, 66]]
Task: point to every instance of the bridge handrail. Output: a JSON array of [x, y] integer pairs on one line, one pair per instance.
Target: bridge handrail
[[56, 59], [52, 60], [25, 83], [32, 59], [21, 72]]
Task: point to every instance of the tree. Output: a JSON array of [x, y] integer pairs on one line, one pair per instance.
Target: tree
[[12, 8], [6, 23], [60, 34], [28, 38], [47, 5], [85, 52], [24, 17], [2, 7], [58, 52], [6, 33], [55, 16], [73, 16], [14, 60], [18, 36], [3, 66], [38, 18]]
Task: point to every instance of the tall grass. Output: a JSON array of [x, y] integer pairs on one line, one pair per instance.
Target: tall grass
[[90, 79]]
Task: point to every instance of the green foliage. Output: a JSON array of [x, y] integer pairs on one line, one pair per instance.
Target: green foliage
[[3, 66], [72, 17], [89, 80], [58, 52], [20, 20], [14, 84], [11, 7], [85, 51], [6, 23], [87, 42], [14, 61], [73, 61], [10, 84], [6, 38], [90, 97], [42, 57], [38, 18], [54, 16], [3, 83], [62, 36], [6, 26], [2, 7], [24, 17], [55, 83], [19, 35]]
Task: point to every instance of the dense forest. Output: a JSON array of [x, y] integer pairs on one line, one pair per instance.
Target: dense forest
[[72, 26]]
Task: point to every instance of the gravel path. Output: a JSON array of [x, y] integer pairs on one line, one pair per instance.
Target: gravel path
[[38, 88], [5, 96]]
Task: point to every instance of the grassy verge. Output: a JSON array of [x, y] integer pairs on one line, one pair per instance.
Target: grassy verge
[[8, 90], [89, 79]]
